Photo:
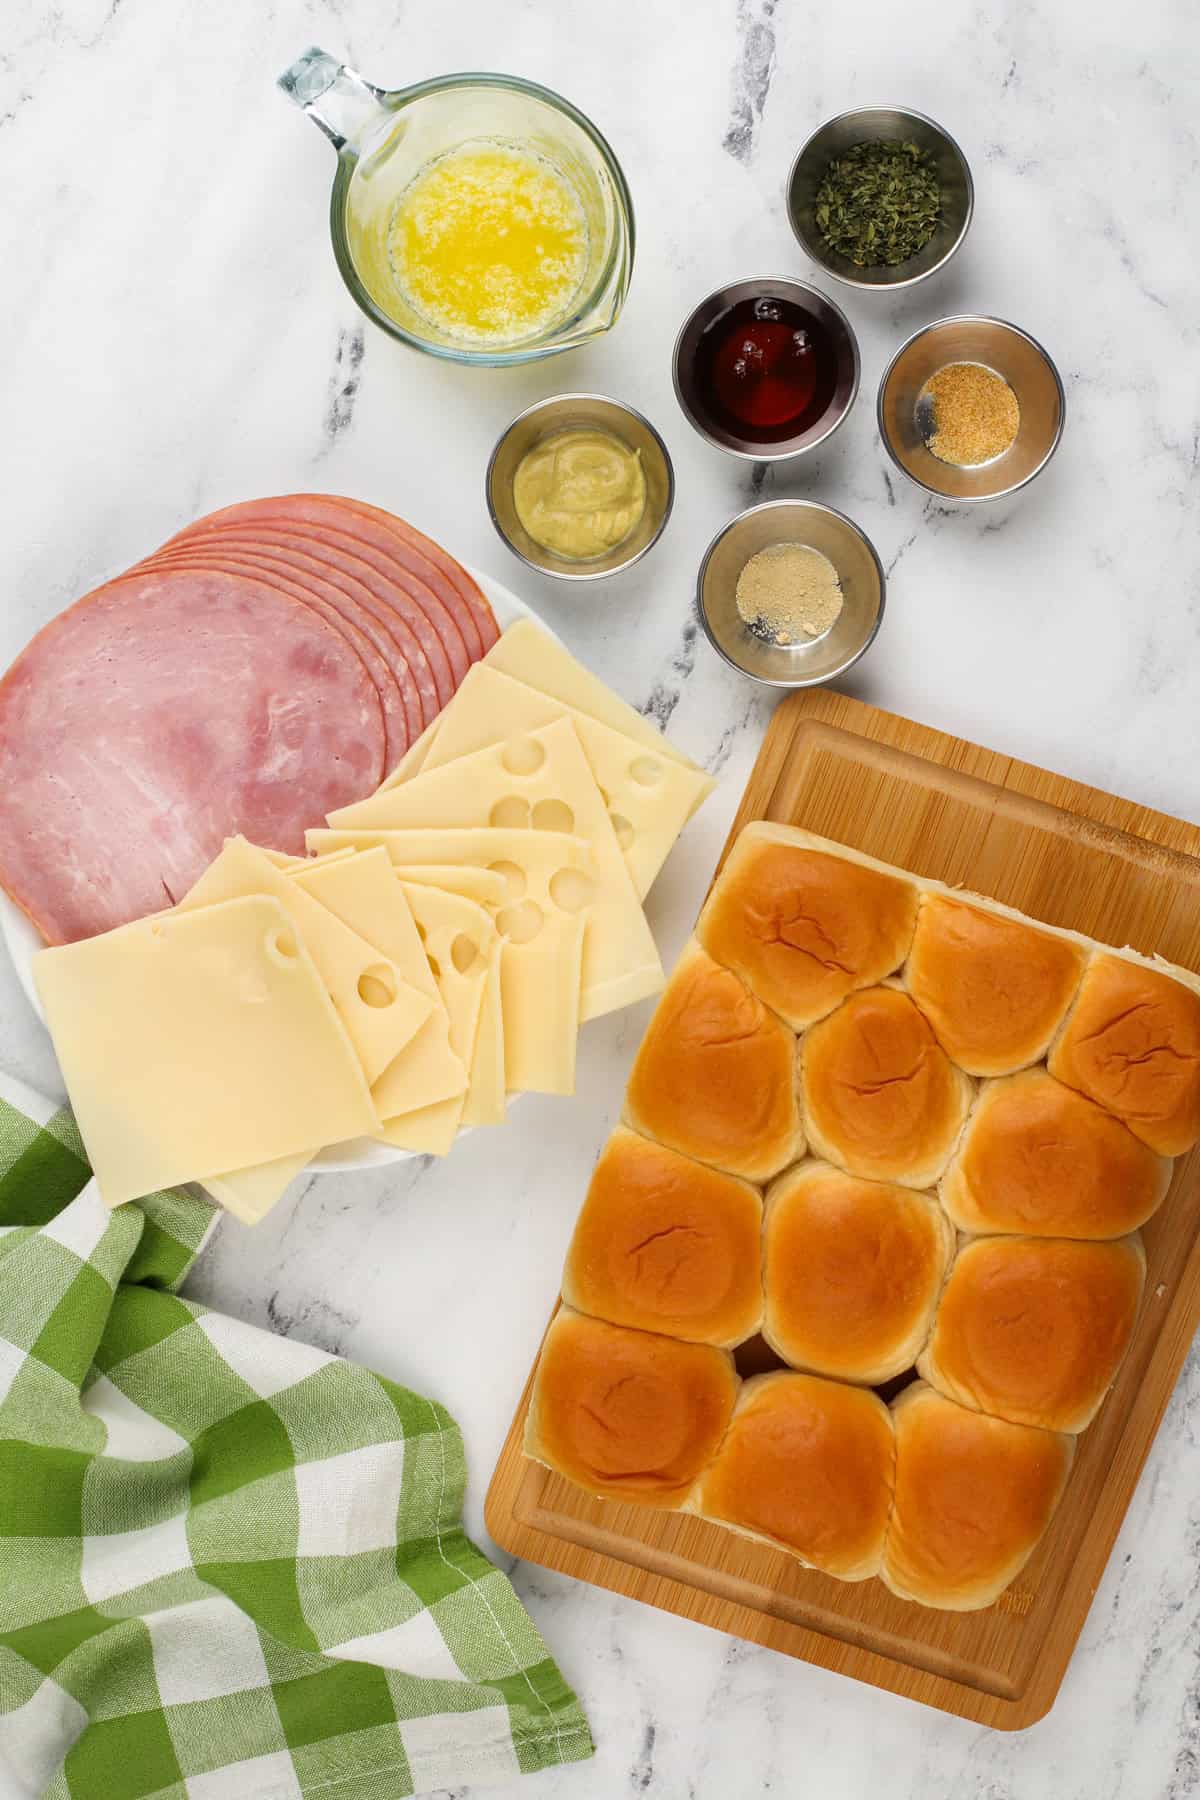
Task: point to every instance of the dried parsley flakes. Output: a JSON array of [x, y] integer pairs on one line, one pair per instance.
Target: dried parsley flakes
[[878, 203]]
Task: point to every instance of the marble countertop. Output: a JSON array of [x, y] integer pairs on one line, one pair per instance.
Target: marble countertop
[[174, 335]]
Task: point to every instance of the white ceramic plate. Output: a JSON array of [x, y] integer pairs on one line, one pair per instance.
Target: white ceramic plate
[[22, 939]]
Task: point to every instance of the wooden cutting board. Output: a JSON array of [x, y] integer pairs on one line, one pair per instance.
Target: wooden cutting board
[[1071, 856]]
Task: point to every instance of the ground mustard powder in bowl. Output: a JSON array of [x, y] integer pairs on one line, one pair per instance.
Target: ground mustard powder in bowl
[[580, 493], [788, 594]]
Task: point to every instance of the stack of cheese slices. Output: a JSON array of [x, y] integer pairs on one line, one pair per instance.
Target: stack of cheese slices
[[435, 952], [881, 1136]]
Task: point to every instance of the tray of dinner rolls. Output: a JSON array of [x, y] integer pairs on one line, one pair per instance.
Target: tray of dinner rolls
[[884, 1273]]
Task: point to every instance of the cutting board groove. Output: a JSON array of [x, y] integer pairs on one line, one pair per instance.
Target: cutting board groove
[[1069, 855]]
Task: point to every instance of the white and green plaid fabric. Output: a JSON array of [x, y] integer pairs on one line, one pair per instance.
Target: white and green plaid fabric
[[231, 1567]]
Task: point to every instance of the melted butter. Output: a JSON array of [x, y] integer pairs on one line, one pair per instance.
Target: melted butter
[[489, 242], [579, 493]]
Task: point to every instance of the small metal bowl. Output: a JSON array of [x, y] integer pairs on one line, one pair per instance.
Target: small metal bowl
[[824, 310], [571, 412], [859, 572], [892, 124], [1009, 352]]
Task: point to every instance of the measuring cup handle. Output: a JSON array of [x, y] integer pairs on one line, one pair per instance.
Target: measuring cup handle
[[335, 97]]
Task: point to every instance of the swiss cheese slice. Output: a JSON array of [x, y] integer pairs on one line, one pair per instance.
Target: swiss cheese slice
[[540, 984], [528, 653], [199, 1041], [539, 976], [460, 943], [483, 886], [650, 797], [540, 778], [380, 1009], [364, 894]]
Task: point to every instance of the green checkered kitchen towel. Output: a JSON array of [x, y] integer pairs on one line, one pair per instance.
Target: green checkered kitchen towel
[[231, 1567]]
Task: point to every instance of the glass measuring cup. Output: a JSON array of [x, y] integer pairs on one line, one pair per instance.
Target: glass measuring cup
[[384, 139]]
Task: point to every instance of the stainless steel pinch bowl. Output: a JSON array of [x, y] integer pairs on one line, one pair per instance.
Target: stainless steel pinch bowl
[[808, 662], [829, 397], [995, 345], [887, 124], [574, 412]]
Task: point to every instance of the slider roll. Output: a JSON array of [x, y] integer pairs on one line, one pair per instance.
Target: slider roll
[[1034, 1330], [1132, 1043], [665, 1244], [881, 1097], [994, 989], [852, 1272], [715, 1077], [806, 1465], [805, 922], [628, 1415], [1041, 1160], [973, 1497]]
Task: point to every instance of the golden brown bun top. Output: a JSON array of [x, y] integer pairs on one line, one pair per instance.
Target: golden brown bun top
[[1041, 1159], [804, 927], [667, 1244], [853, 1271], [1034, 1329], [973, 1496], [1132, 1042], [880, 1094], [808, 1463], [716, 1073], [994, 989], [626, 1411]]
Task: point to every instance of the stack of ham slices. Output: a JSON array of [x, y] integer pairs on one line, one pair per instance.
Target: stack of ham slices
[[268, 665]]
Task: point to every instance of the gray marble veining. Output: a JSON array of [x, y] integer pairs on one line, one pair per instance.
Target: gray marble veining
[[174, 336]]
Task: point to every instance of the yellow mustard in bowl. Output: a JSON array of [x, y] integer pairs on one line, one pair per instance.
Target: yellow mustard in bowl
[[579, 493]]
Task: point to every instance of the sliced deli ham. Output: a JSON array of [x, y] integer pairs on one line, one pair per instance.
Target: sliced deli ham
[[369, 556], [419, 645], [159, 715], [402, 717], [265, 667], [458, 594], [472, 594]]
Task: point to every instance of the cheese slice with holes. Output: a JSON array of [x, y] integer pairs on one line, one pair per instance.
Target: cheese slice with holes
[[540, 984], [541, 970], [426, 1066], [460, 941], [363, 892], [529, 654], [199, 1041], [380, 1009], [473, 882], [539, 976], [650, 797], [540, 778]]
